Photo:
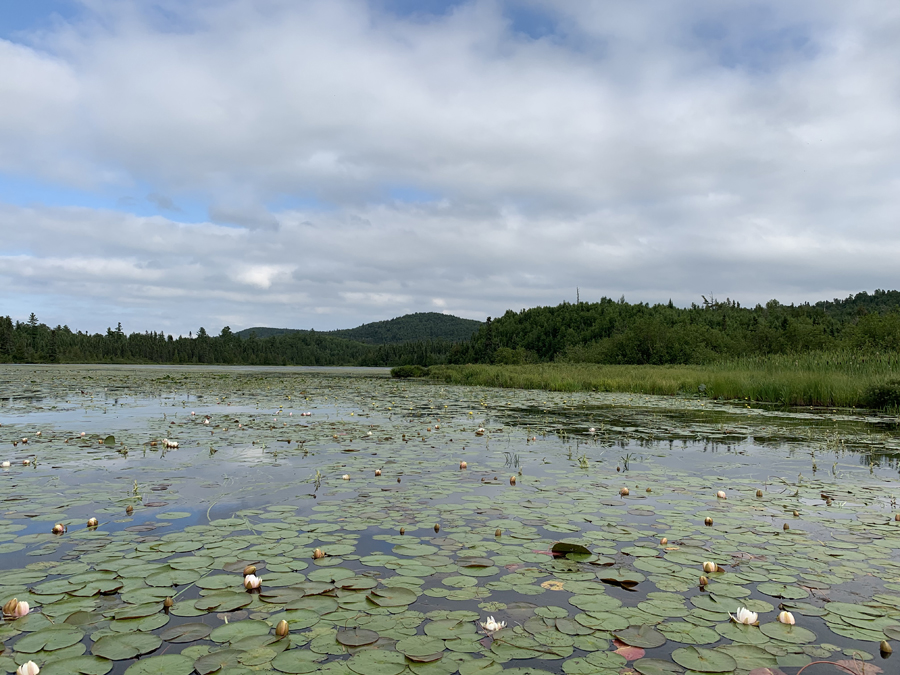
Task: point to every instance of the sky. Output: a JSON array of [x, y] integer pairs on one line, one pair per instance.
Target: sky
[[171, 164]]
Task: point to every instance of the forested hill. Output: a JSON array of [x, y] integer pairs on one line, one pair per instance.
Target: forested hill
[[421, 326], [617, 332], [412, 327]]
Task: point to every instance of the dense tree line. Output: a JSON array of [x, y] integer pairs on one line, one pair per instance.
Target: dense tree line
[[609, 331], [617, 332], [34, 342]]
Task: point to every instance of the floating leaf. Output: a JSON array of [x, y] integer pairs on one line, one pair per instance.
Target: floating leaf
[[356, 637], [166, 664], [125, 645], [79, 665], [186, 632], [704, 660], [645, 636]]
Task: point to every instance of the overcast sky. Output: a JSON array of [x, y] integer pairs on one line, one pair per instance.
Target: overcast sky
[[175, 164]]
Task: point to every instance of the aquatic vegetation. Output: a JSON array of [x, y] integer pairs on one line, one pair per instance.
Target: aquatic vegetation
[[591, 571]]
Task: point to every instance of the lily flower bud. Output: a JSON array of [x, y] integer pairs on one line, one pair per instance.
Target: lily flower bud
[[708, 521], [168, 602], [59, 528], [624, 492], [663, 541], [249, 569], [721, 494], [377, 472], [710, 567], [786, 617], [463, 465], [437, 527], [93, 522], [282, 629], [9, 609], [318, 554]]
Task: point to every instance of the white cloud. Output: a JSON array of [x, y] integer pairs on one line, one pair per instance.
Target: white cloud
[[655, 150]]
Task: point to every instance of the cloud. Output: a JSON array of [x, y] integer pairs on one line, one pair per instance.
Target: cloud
[[358, 161]]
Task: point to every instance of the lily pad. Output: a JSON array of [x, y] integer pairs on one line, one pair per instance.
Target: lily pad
[[704, 660], [643, 636], [123, 646], [166, 664]]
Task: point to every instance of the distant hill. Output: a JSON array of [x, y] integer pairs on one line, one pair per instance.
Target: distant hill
[[421, 326]]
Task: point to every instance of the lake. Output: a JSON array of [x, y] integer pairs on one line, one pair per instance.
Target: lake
[[582, 521]]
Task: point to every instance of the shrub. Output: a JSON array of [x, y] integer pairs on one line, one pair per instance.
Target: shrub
[[881, 396], [409, 371]]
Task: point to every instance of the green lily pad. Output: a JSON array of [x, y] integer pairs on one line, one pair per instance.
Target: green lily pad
[[783, 591], [377, 662], [166, 664], [49, 639], [656, 667], [297, 661], [356, 637], [786, 633], [704, 660], [78, 665], [232, 632], [186, 632], [646, 637], [123, 646]]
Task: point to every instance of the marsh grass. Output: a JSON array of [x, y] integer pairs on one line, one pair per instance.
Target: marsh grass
[[840, 379]]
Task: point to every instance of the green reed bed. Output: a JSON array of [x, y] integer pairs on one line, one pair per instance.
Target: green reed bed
[[844, 379]]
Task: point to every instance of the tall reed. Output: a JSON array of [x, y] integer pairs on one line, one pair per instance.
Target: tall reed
[[814, 379]]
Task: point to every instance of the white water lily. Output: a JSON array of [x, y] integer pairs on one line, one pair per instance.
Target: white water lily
[[745, 616], [21, 609], [252, 581], [492, 626], [5, 464], [786, 617], [28, 668]]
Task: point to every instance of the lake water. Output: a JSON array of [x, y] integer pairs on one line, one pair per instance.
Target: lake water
[[273, 464]]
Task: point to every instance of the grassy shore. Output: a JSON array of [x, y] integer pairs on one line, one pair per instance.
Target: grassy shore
[[845, 379]]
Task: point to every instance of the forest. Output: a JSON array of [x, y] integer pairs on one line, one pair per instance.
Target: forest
[[618, 332], [610, 331], [34, 342]]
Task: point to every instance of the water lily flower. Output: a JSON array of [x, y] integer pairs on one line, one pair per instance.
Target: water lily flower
[[721, 494], [5, 464], [492, 626], [21, 610], [28, 668], [745, 616], [251, 581], [786, 617], [346, 476]]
